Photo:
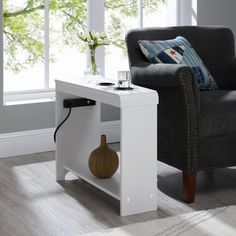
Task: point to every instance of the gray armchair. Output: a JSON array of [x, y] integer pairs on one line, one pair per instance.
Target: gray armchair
[[196, 129]]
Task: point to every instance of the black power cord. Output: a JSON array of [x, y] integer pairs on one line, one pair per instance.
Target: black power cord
[[73, 102], [55, 133]]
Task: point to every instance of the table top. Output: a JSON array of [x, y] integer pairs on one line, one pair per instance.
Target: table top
[[139, 96]]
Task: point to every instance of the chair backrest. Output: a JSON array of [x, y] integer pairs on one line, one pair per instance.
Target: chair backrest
[[214, 45]]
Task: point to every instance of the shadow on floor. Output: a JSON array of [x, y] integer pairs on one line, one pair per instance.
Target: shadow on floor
[[215, 188]]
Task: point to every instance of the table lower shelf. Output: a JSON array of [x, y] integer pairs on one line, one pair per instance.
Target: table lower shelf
[[110, 186]]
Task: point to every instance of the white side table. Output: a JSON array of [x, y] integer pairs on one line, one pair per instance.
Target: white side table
[[135, 183]]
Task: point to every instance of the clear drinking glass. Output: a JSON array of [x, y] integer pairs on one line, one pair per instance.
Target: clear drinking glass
[[123, 79]]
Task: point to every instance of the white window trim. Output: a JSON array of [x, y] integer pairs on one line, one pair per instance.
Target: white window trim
[[174, 12], [96, 21], [140, 13], [1, 54], [187, 12], [47, 44], [26, 97]]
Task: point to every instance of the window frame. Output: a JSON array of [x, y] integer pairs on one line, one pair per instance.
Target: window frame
[[33, 94], [1, 53], [96, 20]]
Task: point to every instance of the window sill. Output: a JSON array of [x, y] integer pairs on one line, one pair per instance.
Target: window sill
[[22, 102], [28, 98]]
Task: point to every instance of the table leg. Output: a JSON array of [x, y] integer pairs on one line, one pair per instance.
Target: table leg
[[77, 137], [138, 163]]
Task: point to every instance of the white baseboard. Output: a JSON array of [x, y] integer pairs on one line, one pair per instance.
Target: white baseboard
[[41, 140], [26, 142]]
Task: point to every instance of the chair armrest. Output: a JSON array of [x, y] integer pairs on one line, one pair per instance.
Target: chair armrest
[[178, 111], [161, 75], [166, 77]]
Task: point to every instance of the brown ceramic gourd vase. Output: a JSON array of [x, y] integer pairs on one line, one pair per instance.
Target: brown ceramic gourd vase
[[103, 161]]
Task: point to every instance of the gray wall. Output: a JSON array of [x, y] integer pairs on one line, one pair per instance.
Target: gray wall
[[26, 117], [217, 12], [39, 116]]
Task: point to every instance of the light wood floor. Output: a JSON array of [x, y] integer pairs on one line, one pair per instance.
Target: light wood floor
[[33, 203]]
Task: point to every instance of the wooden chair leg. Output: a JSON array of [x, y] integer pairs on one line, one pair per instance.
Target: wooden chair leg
[[189, 185]]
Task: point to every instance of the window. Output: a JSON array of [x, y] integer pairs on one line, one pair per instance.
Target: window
[[65, 46], [40, 37], [29, 48], [123, 15], [155, 13], [23, 45], [120, 16]]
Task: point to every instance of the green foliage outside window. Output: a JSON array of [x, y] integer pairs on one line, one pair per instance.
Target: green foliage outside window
[[23, 27]]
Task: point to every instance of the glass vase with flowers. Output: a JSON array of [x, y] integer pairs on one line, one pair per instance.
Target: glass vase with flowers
[[93, 40]]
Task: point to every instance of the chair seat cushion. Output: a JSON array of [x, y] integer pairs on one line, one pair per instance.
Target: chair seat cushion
[[178, 51], [217, 113]]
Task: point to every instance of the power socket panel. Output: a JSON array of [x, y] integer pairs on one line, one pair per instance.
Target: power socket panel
[[78, 102]]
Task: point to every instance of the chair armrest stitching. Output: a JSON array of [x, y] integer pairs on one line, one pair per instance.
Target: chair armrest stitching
[[188, 122], [216, 166], [195, 124], [190, 98]]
